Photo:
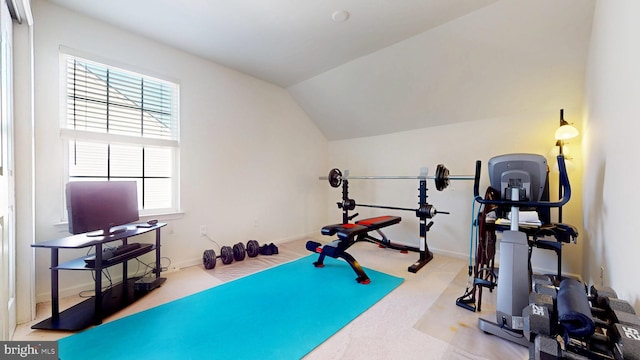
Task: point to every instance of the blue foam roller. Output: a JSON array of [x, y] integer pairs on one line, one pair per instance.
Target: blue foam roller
[[574, 312], [312, 246], [330, 251]]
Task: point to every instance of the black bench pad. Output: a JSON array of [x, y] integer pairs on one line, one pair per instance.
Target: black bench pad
[[344, 231]]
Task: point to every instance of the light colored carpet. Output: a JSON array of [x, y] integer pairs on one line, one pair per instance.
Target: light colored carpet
[[460, 327]]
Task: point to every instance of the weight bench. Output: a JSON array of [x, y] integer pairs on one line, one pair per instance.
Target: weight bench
[[348, 234]]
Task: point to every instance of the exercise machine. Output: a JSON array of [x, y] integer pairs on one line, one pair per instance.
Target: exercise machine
[[520, 180]]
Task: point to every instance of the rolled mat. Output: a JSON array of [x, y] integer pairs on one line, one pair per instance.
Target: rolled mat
[[574, 312]]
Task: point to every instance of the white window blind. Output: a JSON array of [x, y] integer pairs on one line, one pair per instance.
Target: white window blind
[[121, 125]]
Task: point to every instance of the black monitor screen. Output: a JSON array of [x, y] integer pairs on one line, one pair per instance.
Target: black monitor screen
[[101, 205]]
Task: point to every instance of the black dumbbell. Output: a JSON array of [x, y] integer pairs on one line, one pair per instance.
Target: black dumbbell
[[545, 293], [599, 294], [624, 344], [627, 341], [614, 311], [621, 340], [539, 315], [543, 285], [537, 321], [547, 348], [209, 257], [540, 279], [252, 249]]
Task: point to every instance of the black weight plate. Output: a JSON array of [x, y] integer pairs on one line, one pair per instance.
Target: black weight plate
[[226, 255], [209, 259], [253, 248], [335, 177], [442, 177], [238, 252], [445, 176], [438, 177]]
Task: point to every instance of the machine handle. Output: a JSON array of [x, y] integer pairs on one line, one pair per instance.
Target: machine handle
[[476, 180], [564, 181]]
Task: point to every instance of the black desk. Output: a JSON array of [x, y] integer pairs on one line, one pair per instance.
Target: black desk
[[93, 310]]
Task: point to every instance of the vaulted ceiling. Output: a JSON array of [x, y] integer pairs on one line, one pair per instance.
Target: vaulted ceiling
[[389, 65]]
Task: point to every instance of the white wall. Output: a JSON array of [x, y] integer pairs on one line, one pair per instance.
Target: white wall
[[611, 147], [250, 156], [457, 146]]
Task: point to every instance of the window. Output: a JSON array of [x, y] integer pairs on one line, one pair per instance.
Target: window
[[120, 125]]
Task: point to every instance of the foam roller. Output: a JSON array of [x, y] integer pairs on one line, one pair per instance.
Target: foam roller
[[312, 246], [574, 311]]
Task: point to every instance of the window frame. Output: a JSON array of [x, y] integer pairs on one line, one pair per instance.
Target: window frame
[[68, 135]]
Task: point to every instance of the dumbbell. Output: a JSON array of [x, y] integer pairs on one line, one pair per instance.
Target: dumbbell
[[537, 321], [628, 344], [624, 344], [544, 321], [545, 293], [252, 249], [598, 295], [621, 340], [607, 309], [547, 348], [209, 257], [540, 315], [543, 285], [228, 254]]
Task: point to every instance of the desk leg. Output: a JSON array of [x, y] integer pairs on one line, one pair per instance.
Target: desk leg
[[158, 269], [55, 304], [97, 310], [125, 277]]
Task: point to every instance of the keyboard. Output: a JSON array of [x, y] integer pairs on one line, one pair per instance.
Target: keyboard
[[113, 255], [125, 248]]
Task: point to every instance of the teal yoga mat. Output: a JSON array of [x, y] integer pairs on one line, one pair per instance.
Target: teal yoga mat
[[280, 313]]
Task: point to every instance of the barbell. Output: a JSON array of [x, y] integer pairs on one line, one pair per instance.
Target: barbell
[[441, 177], [426, 211]]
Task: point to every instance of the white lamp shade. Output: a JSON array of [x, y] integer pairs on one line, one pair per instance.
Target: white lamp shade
[[566, 132]]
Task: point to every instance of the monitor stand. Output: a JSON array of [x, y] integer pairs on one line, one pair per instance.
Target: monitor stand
[[107, 231]]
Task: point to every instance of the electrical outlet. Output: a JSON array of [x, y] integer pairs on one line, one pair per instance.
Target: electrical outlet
[[170, 269], [203, 230]]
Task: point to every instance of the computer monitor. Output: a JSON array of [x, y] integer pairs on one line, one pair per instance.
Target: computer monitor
[[101, 205], [527, 173]]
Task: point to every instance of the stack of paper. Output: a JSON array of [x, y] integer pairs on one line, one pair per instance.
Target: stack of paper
[[526, 218]]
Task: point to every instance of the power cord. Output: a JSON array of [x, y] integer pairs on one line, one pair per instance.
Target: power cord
[[90, 293], [149, 269], [213, 241]]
